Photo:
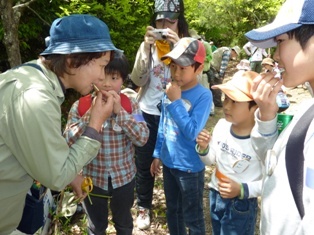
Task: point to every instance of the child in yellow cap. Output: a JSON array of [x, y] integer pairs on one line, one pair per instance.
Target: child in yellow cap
[[236, 181]]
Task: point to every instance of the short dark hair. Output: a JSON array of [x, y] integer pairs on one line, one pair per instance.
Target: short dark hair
[[58, 63], [196, 65], [119, 64], [302, 34], [252, 104]]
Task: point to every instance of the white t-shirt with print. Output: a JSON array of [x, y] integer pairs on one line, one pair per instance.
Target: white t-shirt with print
[[159, 77]]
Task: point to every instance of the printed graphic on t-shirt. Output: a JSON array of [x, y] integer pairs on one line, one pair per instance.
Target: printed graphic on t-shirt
[[162, 72], [171, 130], [235, 153]]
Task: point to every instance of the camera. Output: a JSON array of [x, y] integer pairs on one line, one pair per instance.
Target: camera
[[160, 34]]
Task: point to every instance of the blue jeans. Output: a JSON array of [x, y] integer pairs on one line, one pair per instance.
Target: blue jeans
[[184, 201], [232, 216], [143, 160]]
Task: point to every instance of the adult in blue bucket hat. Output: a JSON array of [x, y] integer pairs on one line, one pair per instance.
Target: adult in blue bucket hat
[[31, 145]]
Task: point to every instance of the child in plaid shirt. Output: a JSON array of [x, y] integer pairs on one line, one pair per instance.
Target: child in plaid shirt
[[113, 170]]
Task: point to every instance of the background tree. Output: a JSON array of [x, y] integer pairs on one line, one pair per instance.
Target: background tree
[[126, 19], [226, 21], [25, 23], [10, 16]]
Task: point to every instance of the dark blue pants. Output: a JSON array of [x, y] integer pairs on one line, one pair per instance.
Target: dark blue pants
[[232, 216], [184, 200], [121, 202], [143, 161]]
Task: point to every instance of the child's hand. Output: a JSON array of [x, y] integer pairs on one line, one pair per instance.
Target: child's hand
[[102, 108], [264, 91], [228, 188], [155, 167], [203, 139], [116, 102], [173, 91]]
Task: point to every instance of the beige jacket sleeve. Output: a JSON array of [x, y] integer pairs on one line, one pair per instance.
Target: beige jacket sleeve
[[140, 72]]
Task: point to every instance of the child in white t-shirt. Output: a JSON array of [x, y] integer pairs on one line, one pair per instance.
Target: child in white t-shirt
[[237, 179]]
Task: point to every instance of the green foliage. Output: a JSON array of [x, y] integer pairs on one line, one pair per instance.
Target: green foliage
[[126, 20], [222, 21], [225, 22]]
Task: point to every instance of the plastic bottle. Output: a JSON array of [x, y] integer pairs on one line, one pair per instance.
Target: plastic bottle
[[282, 101]]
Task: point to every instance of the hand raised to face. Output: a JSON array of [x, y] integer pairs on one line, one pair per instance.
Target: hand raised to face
[[102, 108], [173, 91]]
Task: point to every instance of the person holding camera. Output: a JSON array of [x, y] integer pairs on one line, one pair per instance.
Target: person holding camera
[[168, 25]]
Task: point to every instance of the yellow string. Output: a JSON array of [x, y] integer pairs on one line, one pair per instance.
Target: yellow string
[[163, 48]]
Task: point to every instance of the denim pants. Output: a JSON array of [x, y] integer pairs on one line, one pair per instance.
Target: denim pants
[[120, 205], [232, 216], [184, 201], [143, 161]]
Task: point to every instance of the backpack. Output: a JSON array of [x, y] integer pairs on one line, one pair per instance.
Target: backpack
[[85, 103]]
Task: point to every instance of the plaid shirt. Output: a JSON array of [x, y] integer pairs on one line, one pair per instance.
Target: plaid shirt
[[115, 158]]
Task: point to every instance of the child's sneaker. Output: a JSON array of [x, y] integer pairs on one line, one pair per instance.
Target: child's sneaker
[[143, 219]]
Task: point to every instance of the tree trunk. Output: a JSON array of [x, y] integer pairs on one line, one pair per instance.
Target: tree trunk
[[10, 21]]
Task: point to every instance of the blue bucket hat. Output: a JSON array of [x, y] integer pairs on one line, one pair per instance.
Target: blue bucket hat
[[78, 33], [293, 14]]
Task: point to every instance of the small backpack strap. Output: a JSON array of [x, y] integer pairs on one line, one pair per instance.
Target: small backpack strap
[[85, 103], [126, 103], [295, 157]]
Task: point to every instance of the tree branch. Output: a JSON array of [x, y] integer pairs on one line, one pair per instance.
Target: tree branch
[[38, 15], [23, 4]]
